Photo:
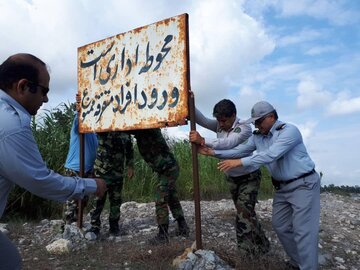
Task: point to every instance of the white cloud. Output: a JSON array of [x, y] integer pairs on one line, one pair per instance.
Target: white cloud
[[343, 104], [245, 99], [333, 11], [311, 94], [266, 79], [224, 42], [316, 50], [333, 153], [305, 35], [307, 130]]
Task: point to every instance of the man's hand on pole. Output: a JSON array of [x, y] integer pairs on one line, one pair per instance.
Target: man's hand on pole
[[195, 137], [78, 101]]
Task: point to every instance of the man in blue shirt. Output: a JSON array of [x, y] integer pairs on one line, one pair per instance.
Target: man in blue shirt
[[24, 84], [244, 182], [72, 164], [296, 205]]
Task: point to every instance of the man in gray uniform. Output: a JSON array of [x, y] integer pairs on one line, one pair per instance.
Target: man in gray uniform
[[296, 206], [244, 183]]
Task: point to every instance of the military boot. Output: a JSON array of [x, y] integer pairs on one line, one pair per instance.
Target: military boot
[[183, 229], [114, 228], [95, 230], [162, 237]]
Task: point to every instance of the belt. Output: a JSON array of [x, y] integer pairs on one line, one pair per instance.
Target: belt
[[277, 183], [245, 177]]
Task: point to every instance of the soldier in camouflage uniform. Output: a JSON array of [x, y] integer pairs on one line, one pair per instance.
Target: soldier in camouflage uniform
[[244, 183], [155, 151], [114, 153]]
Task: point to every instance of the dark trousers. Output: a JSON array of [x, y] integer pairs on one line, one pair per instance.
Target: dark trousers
[[9, 255]]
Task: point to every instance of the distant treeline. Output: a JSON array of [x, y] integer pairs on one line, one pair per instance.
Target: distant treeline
[[340, 189]]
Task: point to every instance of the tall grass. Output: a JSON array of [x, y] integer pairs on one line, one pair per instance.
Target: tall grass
[[52, 133], [212, 182]]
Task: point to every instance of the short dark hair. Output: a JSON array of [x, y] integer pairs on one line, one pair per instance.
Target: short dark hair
[[224, 108], [17, 67]]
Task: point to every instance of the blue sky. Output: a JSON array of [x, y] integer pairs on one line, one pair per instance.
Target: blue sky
[[302, 56]]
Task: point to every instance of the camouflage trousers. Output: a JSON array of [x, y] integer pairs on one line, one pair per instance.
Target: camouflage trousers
[[110, 163], [155, 151], [166, 196], [115, 185], [71, 206], [249, 234]]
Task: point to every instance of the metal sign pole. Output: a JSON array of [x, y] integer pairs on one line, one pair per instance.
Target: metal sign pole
[[81, 174], [195, 163], [195, 175]]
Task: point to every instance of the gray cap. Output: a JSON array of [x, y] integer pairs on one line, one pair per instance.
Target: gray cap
[[259, 110]]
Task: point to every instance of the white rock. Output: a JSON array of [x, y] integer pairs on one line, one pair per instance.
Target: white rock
[[90, 236], [339, 259], [60, 246], [44, 222], [4, 231], [56, 222]]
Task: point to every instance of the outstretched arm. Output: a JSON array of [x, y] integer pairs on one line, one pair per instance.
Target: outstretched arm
[[228, 164]]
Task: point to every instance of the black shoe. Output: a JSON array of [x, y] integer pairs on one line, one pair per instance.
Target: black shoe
[[290, 266], [183, 229], [114, 228], [114, 231], [162, 237], [95, 230]]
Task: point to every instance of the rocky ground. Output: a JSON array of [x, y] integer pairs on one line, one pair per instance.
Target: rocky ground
[[339, 244]]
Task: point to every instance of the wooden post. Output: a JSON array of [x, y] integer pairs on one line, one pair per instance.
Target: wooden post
[[81, 174], [195, 164]]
